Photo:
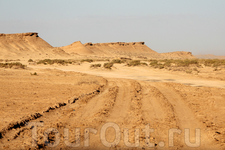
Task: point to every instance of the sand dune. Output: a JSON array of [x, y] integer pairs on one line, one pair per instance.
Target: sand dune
[[77, 48]]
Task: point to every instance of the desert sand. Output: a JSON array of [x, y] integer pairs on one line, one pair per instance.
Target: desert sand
[[82, 100]]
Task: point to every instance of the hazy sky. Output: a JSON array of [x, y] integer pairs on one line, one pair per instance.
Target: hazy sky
[[197, 26]]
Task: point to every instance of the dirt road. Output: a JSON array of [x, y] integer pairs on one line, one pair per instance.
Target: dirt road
[[125, 103]]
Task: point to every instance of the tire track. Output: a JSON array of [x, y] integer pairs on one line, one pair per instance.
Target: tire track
[[130, 104], [185, 117], [122, 104], [11, 131], [158, 112]]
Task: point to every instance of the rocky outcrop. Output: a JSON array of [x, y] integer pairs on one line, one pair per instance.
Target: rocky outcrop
[[115, 44], [35, 34]]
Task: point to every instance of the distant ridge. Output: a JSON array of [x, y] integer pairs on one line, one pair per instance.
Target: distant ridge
[[30, 45], [178, 54], [117, 49], [209, 56]]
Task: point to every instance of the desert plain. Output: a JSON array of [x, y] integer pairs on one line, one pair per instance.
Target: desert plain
[[108, 96]]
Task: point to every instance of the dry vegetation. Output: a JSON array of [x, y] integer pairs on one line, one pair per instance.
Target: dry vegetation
[[187, 62], [15, 65], [55, 61], [87, 60], [30, 60], [33, 74], [136, 63], [188, 65], [108, 65], [95, 65], [118, 61]]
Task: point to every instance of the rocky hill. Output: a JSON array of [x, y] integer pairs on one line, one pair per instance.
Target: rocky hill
[[27, 45]]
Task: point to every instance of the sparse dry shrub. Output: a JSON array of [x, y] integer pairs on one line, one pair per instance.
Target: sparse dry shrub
[[86, 60], [153, 62], [55, 61], [124, 58], [158, 64], [95, 65], [186, 62], [189, 71], [118, 61], [195, 69], [16, 65], [108, 65], [134, 63], [33, 74], [30, 60], [213, 62], [144, 64]]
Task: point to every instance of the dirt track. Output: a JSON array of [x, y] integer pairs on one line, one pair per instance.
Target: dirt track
[[95, 101]]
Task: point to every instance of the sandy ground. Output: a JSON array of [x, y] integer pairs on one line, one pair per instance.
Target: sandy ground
[[77, 97], [207, 77]]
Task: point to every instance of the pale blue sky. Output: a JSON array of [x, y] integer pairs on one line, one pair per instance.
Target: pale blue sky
[[197, 26]]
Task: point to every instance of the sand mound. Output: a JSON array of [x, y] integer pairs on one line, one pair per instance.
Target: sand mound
[[27, 45], [77, 48]]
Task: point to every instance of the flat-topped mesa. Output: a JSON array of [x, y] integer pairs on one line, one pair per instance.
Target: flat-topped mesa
[[115, 44], [35, 34]]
